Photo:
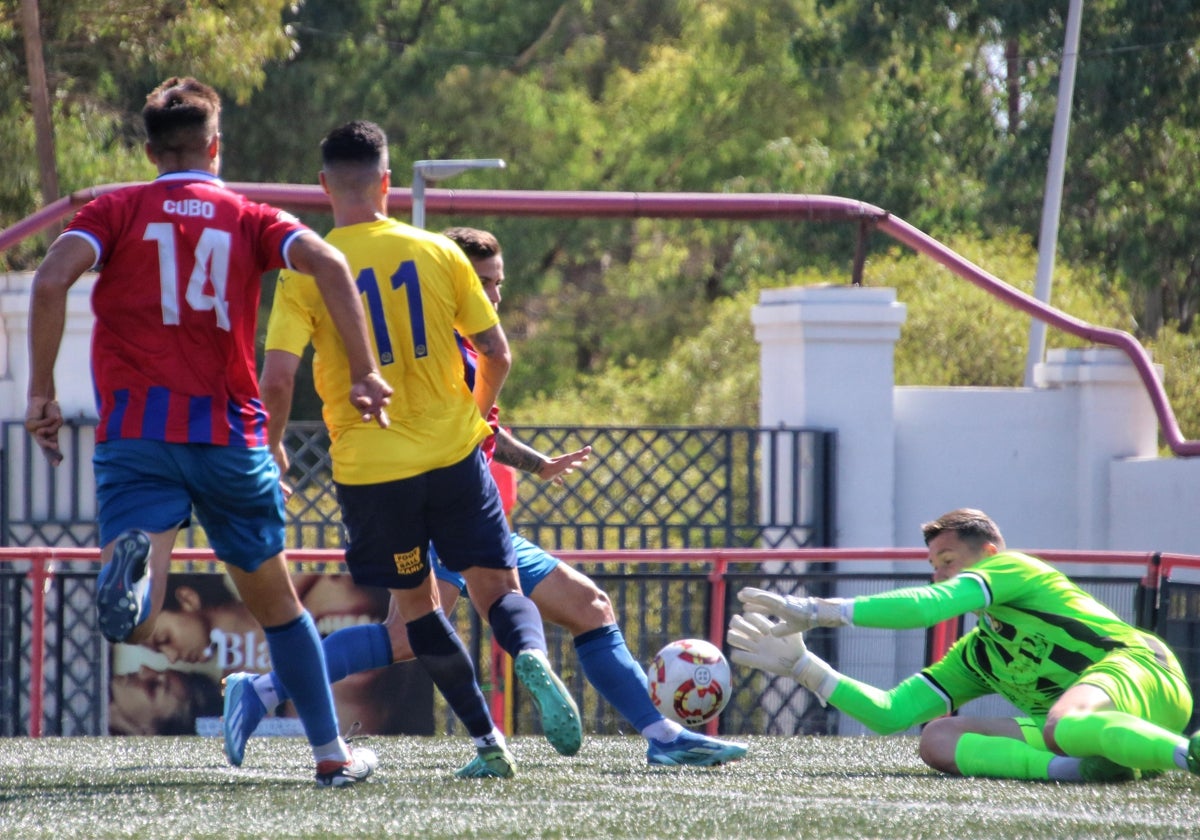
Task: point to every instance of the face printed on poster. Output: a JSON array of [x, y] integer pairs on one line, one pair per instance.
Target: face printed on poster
[[171, 683]]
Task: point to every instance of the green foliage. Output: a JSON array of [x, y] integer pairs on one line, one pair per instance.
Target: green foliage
[[957, 334], [1179, 353], [708, 378], [102, 58], [224, 44], [939, 112], [933, 132], [954, 334]]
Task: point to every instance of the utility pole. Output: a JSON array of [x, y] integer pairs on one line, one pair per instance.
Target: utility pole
[[1055, 172]]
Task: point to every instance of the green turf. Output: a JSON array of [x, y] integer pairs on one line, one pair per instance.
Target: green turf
[[786, 788]]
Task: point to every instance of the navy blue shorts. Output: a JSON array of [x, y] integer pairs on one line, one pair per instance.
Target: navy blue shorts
[[534, 564], [155, 486], [389, 526]]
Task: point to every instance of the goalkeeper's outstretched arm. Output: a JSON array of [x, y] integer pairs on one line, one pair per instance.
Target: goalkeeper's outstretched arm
[[900, 609], [913, 701]]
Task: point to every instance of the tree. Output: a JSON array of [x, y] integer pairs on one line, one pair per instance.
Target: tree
[[939, 112], [941, 156], [39, 99], [101, 57], [612, 95]]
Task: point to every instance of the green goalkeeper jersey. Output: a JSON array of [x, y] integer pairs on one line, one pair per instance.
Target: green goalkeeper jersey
[[1036, 634]]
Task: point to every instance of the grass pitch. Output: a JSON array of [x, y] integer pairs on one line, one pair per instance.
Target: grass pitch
[[785, 788]]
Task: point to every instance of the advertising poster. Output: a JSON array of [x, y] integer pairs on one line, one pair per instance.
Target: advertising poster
[[171, 684]]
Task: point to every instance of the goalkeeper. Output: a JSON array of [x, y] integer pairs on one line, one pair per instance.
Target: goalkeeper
[[1101, 699]]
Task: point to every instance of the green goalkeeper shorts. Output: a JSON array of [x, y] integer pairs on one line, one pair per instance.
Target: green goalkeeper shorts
[[1147, 683]]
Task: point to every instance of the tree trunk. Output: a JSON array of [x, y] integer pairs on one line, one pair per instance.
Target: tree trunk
[[39, 96], [1012, 59]]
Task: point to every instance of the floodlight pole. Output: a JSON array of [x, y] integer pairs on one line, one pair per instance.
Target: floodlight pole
[[1052, 201], [439, 170]]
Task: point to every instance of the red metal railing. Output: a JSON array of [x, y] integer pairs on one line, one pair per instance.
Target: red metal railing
[[738, 206], [1157, 567]]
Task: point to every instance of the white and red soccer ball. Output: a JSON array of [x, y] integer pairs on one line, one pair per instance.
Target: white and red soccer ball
[[689, 681]]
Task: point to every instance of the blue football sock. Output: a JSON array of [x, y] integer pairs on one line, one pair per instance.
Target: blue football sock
[[441, 652], [350, 650], [299, 663], [609, 666], [517, 624]]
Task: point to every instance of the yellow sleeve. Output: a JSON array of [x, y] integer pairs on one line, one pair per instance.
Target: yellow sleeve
[[293, 318]]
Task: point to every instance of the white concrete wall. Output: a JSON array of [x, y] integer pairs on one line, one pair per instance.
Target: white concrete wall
[[72, 371], [1071, 463], [1154, 504], [984, 448], [825, 349]]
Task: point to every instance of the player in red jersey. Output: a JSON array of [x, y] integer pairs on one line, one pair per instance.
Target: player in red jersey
[[182, 427]]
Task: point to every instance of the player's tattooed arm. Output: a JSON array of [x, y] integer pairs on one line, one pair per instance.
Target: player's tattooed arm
[[492, 365], [512, 453]]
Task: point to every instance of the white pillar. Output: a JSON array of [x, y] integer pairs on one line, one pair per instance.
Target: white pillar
[[1114, 420], [72, 372], [827, 361]]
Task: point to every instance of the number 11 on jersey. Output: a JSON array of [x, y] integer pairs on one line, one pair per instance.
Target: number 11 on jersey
[[405, 276]]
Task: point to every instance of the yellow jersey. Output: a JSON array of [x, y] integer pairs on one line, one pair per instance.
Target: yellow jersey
[[417, 288]]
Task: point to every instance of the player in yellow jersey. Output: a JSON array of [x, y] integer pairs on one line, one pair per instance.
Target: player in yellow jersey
[[564, 595], [1101, 700], [424, 479]]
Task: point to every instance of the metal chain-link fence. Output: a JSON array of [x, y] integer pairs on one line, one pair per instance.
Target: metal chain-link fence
[[646, 487]]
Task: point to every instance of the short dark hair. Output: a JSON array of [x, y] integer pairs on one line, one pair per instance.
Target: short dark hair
[[211, 588], [475, 243], [202, 698], [358, 142], [974, 527], [181, 115]]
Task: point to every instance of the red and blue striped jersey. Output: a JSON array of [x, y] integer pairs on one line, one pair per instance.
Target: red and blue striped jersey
[[181, 261], [469, 357]]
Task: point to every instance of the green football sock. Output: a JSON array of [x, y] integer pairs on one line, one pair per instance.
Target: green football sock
[[1120, 737], [999, 757]]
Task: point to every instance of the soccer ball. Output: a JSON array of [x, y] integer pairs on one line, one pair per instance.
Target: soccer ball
[[689, 681]]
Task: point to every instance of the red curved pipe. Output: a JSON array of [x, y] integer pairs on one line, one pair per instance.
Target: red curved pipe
[[736, 206]]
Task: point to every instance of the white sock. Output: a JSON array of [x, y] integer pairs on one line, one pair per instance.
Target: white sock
[[264, 687], [663, 730], [495, 739], [335, 750], [1064, 768]]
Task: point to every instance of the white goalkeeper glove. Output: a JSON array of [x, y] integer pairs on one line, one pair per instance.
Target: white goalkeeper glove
[[755, 645], [797, 615]]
